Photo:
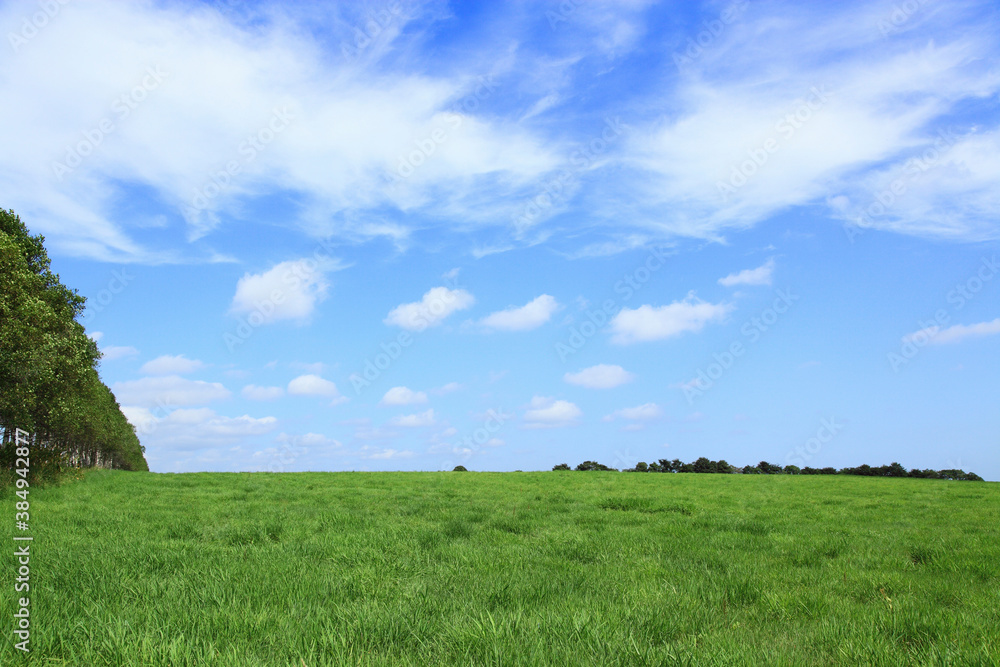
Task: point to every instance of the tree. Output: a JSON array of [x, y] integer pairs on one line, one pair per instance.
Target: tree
[[593, 465], [561, 466], [792, 470], [459, 469], [49, 385]]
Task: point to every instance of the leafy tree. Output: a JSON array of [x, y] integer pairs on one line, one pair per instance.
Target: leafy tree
[[792, 470], [459, 469], [49, 385], [769, 468], [561, 466], [593, 465]]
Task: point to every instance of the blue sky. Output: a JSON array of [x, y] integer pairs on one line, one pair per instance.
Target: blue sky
[[400, 236]]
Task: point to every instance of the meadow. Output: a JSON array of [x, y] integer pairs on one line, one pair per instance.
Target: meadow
[[545, 568]]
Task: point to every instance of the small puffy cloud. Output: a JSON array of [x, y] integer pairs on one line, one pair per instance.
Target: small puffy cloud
[[289, 290], [97, 336], [255, 393], [415, 420], [647, 323], [530, 316], [638, 413], [168, 390], [495, 442], [446, 389], [759, 276], [403, 396], [601, 376], [314, 385], [935, 335], [170, 365], [436, 304], [112, 352], [545, 412]]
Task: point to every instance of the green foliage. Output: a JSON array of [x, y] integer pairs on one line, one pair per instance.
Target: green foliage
[[459, 469], [561, 466], [593, 465], [49, 385], [325, 569]]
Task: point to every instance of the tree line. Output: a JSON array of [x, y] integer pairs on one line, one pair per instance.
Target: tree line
[[705, 465], [49, 384]]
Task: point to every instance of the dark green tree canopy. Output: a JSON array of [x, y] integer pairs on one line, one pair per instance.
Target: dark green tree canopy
[[49, 385]]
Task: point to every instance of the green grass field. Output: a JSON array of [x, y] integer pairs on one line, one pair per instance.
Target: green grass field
[[541, 568]]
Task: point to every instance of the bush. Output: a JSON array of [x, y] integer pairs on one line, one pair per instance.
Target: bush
[[561, 466], [459, 469]]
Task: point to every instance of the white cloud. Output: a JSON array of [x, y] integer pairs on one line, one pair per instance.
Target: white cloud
[[193, 428], [255, 393], [638, 413], [97, 336], [112, 352], [170, 365], [386, 454], [759, 276], [314, 385], [415, 420], [545, 412], [935, 335], [446, 389], [856, 100], [530, 316], [436, 304], [495, 442], [289, 290], [647, 323], [221, 77], [403, 396], [169, 391], [601, 376]]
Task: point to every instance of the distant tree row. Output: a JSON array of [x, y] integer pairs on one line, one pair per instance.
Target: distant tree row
[[49, 385], [704, 465]]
